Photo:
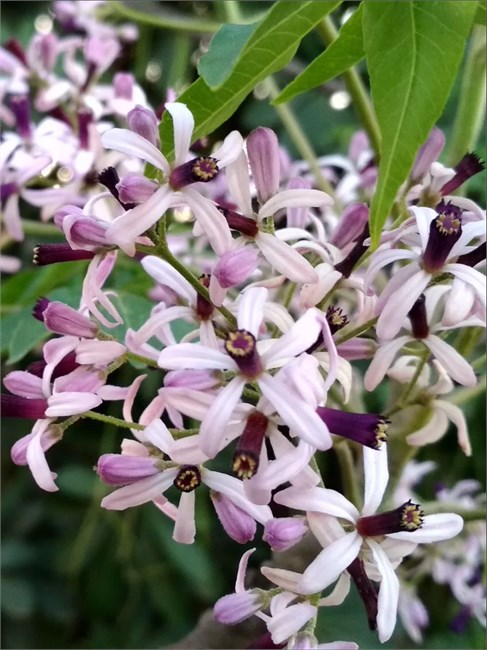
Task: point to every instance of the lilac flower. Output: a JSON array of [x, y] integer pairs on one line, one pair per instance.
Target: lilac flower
[[176, 180], [181, 470], [443, 239], [243, 357], [404, 524]]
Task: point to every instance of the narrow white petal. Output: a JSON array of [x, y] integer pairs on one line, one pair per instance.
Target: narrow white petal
[[470, 276], [251, 309], [237, 175], [382, 361], [376, 476], [282, 578], [388, 593], [185, 526], [212, 430], [229, 150], [435, 528], [459, 304], [432, 431], [38, 465], [424, 217], [294, 198], [140, 492], [211, 220], [289, 621], [318, 499], [453, 362], [133, 144], [233, 488], [194, 356], [332, 560], [285, 259], [297, 414], [158, 435], [183, 125], [399, 304], [71, 403], [296, 340], [165, 274], [339, 593], [455, 415]]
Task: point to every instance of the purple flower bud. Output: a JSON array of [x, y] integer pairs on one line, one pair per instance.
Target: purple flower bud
[[109, 178], [61, 319], [263, 153], [14, 406], [144, 122], [117, 469], [20, 107], [235, 608], [428, 153], [284, 533], [237, 524], [351, 225], [135, 188], [45, 254], [123, 84], [236, 266]]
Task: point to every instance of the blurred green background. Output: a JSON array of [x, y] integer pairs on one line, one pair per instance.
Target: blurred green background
[[76, 576]]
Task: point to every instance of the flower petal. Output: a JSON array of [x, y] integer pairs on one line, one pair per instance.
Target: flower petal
[[183, 125], [376, 476], [382, 361], [294, 198], [285, 259], [140, 492], [456, 366], [213, 426], [194, 356], [133, 144], [251, 309], [318, 499], [435, 528], [185, 526], [388, 593]]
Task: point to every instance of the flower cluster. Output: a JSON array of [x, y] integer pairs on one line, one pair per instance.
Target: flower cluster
[[281, 293]]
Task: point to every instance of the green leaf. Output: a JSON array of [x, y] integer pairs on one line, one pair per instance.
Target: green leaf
[[28, 333], [413, 52], [225, 48], [269, 49], [343, 53], [480, 15]]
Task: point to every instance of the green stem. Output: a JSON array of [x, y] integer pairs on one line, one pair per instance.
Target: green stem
[[138, 358], [471, 107], [356, 331], [348, 472], [176, 23], [42, 229], [109, 419], [356, 88], [298, 136]]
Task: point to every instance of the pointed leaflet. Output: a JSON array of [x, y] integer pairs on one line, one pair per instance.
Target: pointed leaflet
[[413, 51], [269, 49], [343, 53]]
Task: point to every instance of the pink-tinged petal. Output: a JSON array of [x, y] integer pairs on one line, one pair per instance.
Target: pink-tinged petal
[[435, 528], [251, 309], [194, 356], [285, 467], [455, 415], [297, 414], [133, 144], [376, 477], [71, 403], [191, 402], [296, 340], [141, 492], [388, 593], [207, 334], [382, 361], [282, 578], [382, 258], [165, 274], [399, 304], [165, 506], [125, 229], [237, 175], [158, 435], [332, 560], [396, 282], [325, 528], [460, 303], [233, 489], [453, 362], [242, 570], [185, 526], [471, 277], [285, 259], [424, 217], [212, 430], [318, 499], [130, 397], [183, 125], [98, 353], [24, 384], [294, 198], [432, 431], [339, 593], [211, 220], [229, 149], [186, 451], [333, 359], [289, 621], [469, 232], [36, 459]]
